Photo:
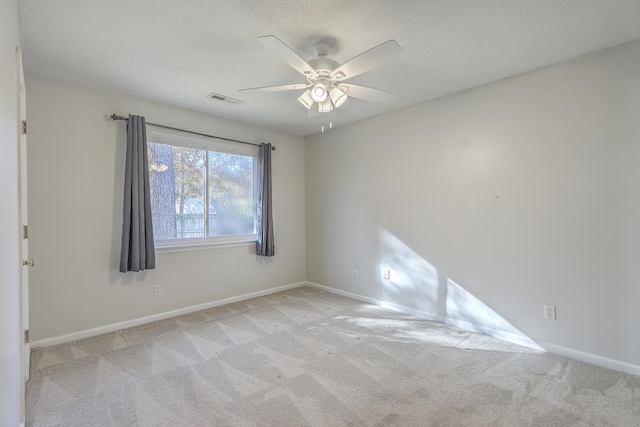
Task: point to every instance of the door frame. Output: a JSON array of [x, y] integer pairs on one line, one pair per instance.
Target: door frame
[[23, 241]]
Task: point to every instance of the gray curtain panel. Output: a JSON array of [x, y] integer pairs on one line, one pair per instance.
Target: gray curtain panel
[[137, 251], [264, 245]]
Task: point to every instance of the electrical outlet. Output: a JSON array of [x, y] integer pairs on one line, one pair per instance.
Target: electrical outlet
[[355, 274], [550, 312], [387, 275], [157, 290]]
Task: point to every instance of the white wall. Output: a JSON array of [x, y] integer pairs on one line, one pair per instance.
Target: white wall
[[9, 255], [76, 160], [490, 203]]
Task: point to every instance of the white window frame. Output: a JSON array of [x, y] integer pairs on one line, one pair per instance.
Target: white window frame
[[177, 138]]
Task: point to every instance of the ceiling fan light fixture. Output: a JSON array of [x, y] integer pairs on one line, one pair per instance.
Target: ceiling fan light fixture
[[319, 93], [306, 99], [326, 106], [337, 96]]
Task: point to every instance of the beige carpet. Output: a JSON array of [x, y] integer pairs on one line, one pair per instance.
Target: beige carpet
[[305, 357]]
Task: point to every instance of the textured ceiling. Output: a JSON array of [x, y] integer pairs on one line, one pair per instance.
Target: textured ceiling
[[179, 51]]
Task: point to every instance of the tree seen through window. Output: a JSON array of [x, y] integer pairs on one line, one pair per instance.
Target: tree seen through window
[[179, 182]]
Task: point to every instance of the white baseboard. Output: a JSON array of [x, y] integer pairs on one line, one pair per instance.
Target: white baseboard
[[509, 336], [524, 340], [48, 342], [591, 358], [401, 308]]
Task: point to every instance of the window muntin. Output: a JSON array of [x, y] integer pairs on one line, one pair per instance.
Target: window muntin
[[214, 190]]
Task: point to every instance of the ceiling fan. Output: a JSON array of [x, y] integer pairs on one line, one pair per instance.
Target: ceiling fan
[[325, 77]]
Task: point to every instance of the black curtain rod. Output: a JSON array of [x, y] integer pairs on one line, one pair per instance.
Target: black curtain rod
[[116, 117]]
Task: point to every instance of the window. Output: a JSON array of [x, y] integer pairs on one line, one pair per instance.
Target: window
[[202, 190]]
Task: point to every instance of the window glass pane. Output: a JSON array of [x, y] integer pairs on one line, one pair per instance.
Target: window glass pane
[[200, 195], [177, 191], [231, 196]]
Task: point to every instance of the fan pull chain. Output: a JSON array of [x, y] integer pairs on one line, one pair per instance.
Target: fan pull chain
[[331, 114], [330, 122]]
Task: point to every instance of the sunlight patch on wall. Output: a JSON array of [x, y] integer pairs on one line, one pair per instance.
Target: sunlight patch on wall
[[413, 281], [466, 311], [414, 285]]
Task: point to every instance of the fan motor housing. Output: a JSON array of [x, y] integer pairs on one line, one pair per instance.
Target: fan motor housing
[[323, 66]]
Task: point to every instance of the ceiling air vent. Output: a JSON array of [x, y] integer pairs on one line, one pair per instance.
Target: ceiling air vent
[[223, 98]]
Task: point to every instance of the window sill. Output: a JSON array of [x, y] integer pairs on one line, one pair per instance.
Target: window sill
[[202, 246]]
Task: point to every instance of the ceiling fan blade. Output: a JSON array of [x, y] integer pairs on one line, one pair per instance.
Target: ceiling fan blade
[[275, 88], [366, 93], [285, 53], [368, 60]]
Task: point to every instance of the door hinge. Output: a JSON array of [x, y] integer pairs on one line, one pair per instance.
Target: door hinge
[[24, 127], [25, 232], [26, 336]]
